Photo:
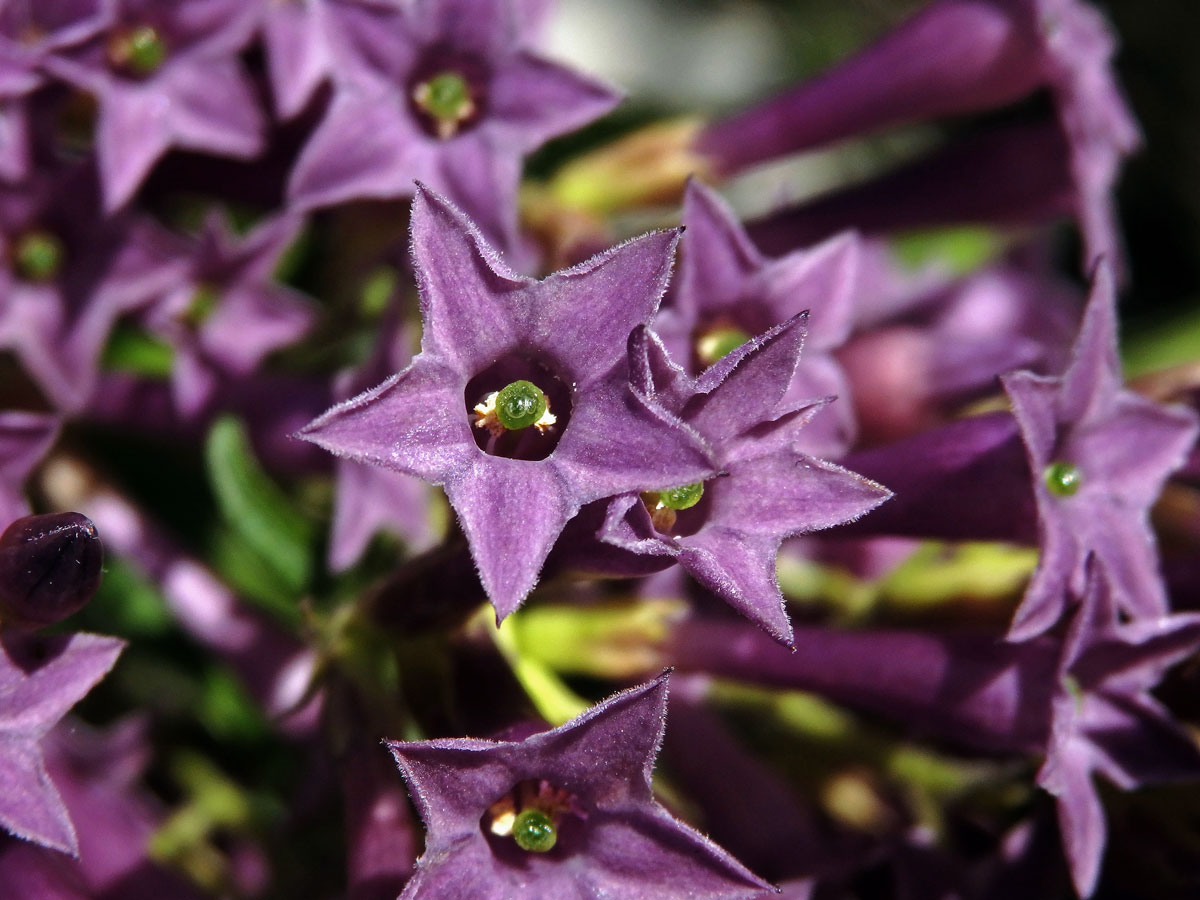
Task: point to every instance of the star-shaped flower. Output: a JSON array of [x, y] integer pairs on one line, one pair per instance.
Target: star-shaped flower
[[1106, 721], [165, 75], [67, 273], [228, 312], [565, 814], [726, 532], [727, 291], [1099, 457], [445, 92], [519, 402], [40, 679]]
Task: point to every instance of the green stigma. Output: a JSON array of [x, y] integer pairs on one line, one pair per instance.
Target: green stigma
[[445, 98], [534, 831], [139, 51], [683, 497], [520, 405], [719, 343], [1063, 479], [38, 256]]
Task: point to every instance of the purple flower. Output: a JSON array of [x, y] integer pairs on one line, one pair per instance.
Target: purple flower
[[566, 813], [726, 531], [165, 75], [519, 402], [228, 312], [24, 439], [1099, 456], [444, 92], [67, 273], [40, 679], [1009, 175], [1105, 719], [953, 57], [727, 291], [368, 498]]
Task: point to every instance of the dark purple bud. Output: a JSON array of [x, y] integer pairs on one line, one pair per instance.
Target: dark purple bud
[[49, 568]]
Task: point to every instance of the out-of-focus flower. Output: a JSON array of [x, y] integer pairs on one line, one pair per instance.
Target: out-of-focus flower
[[67, 273], [229, 312], [445, 92], [165, 75], [24, 439], [40, 679], [519, 402], [566, 813], [1099, 456], [954, 57]]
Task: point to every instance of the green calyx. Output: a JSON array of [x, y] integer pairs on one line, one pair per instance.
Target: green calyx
[[139, 51], [520, 404], [1063, 479], [719, 343], [683, 497], [446, 99], [534, 831], [38, 255]]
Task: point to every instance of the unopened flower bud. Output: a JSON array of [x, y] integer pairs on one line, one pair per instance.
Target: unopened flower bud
[[50, 566]]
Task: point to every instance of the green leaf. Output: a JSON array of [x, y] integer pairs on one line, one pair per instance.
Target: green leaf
[[251, 576], [226, 710], [256, 508], [128, 603], [129, 349]]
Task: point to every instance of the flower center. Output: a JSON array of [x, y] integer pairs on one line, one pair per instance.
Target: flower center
[[664, 505], [445, 102], [1063, 479], [138, 51], [515, 406], [719, 342], [37, 255], [531, 814]]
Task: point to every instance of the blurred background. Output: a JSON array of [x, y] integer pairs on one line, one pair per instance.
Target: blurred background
[[679, 56]]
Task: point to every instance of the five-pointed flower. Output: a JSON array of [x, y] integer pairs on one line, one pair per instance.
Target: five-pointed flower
[[565, 814], [445, 92], [727, 531], [165, 75], [67, 273], [1105, 720], [40, 679], [519, 402], [228, 312], [728, 291], [1099, 457]]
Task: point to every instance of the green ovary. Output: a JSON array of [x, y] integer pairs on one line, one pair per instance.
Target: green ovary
[[1063, 479], [534, 831], [519, 405]]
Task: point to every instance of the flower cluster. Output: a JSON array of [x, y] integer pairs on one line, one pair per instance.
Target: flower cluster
[[367, 416]]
